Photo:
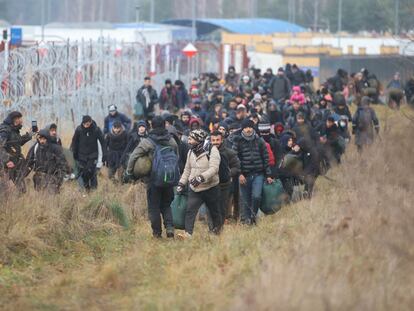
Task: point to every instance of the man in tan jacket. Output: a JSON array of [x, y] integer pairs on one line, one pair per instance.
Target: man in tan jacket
[[202, 173]]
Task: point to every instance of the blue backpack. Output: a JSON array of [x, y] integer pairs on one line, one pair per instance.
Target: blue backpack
[[165, 171]]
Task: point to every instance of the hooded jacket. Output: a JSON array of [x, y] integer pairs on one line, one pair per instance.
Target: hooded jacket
[[48, 158], [85, 143], [11, 142], [147, 147]]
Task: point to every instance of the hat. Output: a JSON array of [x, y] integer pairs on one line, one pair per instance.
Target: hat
[[142, 123], [112, 108], [257, 97], [186, 113], [247, 123], [86, 119], [241, 107], [224, 124], [44, 133], [234, 126], [198, 135], [264, 127], [117, 124], [158, 122]]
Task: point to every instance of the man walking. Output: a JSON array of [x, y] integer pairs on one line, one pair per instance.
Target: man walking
[[88, 147]]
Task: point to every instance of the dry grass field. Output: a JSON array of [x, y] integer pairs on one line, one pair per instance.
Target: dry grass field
[[349, 248]]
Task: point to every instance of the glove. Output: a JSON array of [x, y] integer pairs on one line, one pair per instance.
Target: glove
[[197, 181], [126, 178], [180, 188]]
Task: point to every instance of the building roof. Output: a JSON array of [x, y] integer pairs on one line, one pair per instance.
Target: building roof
[[239, 25]]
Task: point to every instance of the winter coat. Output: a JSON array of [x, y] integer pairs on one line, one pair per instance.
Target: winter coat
[[116, 144], [110, 120], [145, 100], [234, 162], [11, 142], [132, 142], [147, 147], [363, 127], [48, 159], [182, 97], [206, 164], [168, 98], [280, 88], [253, 155], [85, 146]]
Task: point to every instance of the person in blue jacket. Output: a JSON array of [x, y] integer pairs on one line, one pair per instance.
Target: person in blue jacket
[[114, 116]]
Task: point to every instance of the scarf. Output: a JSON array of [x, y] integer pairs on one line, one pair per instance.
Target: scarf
[[248, 138]]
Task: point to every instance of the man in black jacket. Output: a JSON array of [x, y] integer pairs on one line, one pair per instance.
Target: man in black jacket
[[88, 147], [280, 86], [145, 100], [116, 142], [158, 198], [47, 161], [254, 159], [228, 171], [12, 161]]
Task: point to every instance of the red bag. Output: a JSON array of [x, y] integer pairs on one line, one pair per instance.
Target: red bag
[[272, 161]]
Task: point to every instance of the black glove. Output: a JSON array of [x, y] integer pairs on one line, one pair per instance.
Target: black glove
[[126, 178], [180, 188], [197, 181]]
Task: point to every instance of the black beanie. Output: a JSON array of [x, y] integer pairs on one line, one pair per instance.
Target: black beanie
[[158, 122], [247, 123]]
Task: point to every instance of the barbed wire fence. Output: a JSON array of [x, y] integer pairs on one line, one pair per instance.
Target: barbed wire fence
[[61, 82]]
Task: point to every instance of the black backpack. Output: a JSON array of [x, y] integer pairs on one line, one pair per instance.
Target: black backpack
[[224, 168]]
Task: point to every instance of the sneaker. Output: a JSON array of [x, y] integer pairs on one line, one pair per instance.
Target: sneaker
[[170, 235], [184, 236]]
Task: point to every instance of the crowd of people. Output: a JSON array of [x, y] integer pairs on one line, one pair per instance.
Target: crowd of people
[[219, 142]]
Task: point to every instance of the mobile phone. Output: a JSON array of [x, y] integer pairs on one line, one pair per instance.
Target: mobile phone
[[35, 129]]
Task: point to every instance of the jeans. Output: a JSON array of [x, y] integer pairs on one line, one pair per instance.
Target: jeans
[[159, 203], [225, 190], [211, 198], [251, 193]]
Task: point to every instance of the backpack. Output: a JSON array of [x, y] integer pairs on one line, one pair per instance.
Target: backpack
[[165, 171], [364, 119], [224, 168], [272, 161]]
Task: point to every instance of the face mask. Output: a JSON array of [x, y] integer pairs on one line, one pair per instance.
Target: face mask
[[342, 123]]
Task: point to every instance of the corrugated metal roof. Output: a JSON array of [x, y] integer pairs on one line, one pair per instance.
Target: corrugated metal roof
[[240, 25]]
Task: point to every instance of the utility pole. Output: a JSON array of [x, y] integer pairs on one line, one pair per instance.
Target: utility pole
[[254, 9], [340, 16], [137, 9], [42, 17], [152, 11], [193, 20], [316, 16], [397, 17]]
